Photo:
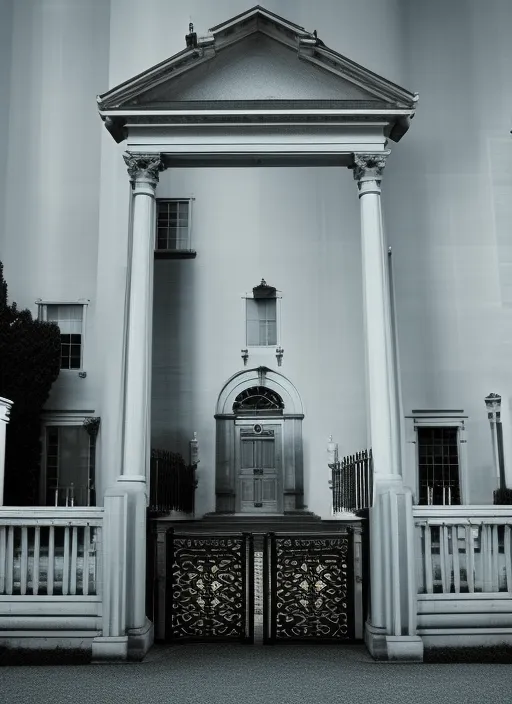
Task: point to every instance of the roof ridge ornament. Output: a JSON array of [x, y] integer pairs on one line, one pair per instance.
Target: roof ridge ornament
[[264, 290], [191, 37]]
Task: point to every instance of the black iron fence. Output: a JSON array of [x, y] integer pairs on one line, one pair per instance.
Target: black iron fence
[[352, 482], [172, 483]]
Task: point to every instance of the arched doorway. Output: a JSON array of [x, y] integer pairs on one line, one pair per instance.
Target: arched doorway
[[259, 466]]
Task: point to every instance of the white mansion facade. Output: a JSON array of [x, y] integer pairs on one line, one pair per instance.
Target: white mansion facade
[[213, 243]]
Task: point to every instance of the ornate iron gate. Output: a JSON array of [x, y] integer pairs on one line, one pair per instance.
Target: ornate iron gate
[[210, 588], [308, 588]]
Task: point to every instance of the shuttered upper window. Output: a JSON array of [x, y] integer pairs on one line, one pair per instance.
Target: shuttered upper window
[[261, 322], [70, 319]]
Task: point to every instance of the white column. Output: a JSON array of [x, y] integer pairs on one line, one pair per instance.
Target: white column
[[143, 170], [391, 583], [5, 409], [368, 170]]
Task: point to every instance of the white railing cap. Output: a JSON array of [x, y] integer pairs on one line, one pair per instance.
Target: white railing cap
[[51, 515], [453, 513]]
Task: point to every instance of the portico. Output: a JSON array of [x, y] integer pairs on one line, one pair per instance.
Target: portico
[[345, 120]]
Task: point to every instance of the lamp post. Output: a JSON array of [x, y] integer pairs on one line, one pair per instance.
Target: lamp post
[[493, 405], [194, 451]]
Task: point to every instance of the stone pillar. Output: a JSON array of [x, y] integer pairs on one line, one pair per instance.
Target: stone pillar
[[143, 170], [368, 170], [5, 409], [390, 633]]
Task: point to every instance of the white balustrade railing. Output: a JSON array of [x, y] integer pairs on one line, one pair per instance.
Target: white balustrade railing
[[463, 549], [50, 551]]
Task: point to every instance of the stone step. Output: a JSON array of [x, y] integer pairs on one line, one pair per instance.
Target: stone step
[[259, 524]]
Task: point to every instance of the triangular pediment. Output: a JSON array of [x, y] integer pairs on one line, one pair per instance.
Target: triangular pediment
[[256, 60], [256, 68]]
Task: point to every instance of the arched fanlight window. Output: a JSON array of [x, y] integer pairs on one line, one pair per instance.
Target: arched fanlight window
[[258, 399]]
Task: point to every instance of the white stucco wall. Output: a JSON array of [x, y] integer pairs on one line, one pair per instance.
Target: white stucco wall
[[50, 218], [5, 86], [299, 230], [446, 195]]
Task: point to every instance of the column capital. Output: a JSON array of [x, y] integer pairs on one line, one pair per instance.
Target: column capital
[[369, 168], [144, 167], [5, 409]]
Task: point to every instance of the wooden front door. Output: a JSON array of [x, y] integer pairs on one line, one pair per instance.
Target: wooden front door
[[259, 468]]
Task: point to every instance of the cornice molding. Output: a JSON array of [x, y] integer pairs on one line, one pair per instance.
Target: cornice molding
[[118, 104]]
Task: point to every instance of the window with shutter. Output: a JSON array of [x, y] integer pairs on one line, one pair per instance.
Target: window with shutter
[[70, 317], [261, 322]]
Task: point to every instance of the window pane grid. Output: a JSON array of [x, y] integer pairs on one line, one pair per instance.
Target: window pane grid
[[52, 461], [173, 231], [438, 466], [69, 318], [70, 465], [261, 322]]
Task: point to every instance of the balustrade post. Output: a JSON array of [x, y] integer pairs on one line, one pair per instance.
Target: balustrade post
[[113, 642]]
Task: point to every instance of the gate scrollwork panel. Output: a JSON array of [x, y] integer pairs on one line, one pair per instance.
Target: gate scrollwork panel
[[308, 585], [210, 590]]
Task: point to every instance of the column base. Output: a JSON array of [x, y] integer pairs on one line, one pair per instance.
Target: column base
[[405, 648], [135, 490], [140, 640], [384, 482], [109, 649], [392, 648]]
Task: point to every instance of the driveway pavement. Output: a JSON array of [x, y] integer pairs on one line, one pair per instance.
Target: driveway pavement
[[229, 674]]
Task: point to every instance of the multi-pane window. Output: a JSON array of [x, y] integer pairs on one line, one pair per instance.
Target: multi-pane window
[[438, 465], [70, 466], [261, 321], [173, 225], [69, 318]]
